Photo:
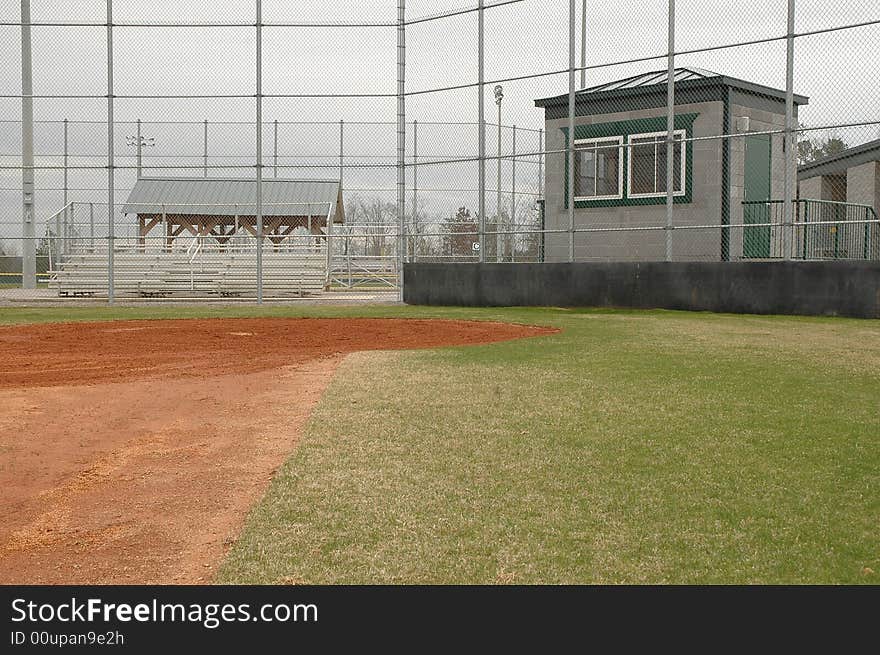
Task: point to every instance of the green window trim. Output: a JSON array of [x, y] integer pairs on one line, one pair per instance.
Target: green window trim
[[626, 129]]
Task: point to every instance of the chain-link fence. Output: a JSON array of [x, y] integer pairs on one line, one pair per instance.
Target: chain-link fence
[[508, 131]]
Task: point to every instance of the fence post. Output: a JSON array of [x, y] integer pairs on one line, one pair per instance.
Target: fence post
[[790, 146], [415, 199], [499, 236], [670, 131], [570, 149], [110, 158], [806, 231], [511, 237], [205, 151], [64, 201], [28, 245], [481, 120], [539, 245], [92, 227], [275, 147], [584, 44], [540, 163], [259, 120], [401, 139]]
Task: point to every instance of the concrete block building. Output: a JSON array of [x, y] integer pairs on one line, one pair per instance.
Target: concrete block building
[[620, 168], [842, 193]]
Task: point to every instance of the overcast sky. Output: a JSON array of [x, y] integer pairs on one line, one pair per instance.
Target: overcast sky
[[838, 71]]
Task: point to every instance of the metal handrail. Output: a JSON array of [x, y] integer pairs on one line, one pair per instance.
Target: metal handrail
[[812, 200], [192, 258], [853, 228]]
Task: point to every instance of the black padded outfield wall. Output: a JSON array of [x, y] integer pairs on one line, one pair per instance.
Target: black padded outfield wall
[[805, 288]]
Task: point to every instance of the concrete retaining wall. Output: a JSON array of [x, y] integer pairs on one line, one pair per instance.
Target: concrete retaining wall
[[806, 288]]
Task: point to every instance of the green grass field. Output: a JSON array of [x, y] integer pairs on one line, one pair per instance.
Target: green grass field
[[633, 447]]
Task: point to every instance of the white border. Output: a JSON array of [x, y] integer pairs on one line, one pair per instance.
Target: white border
[[620, 156], [662, 194]]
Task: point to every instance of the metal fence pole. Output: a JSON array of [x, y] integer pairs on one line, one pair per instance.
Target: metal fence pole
[[540, 163], [110, 157], [499, 237], [401, 139], [415, 198], [570, 153], [28, 243], [481, 120], [584, 45], [205, 151], [790, 148], [341, 152], [67, 227], [275, 148], [670, 132], [259, 121], [92, 227], [511, 239]]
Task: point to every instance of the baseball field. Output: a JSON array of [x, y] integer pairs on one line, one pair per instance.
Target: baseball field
[[390, 444]]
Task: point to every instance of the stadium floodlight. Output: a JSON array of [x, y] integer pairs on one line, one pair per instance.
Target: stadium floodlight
[[138, 141], [147, 141]]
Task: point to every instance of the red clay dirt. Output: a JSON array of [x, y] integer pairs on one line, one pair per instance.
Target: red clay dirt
[[131, 451]]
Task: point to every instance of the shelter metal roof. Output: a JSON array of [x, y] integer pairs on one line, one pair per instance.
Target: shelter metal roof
[[657, 77], [657, 81], [231, 196], [839, 162]]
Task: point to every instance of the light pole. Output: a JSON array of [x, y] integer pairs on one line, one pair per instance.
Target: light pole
[[499, 238], [139, 142]]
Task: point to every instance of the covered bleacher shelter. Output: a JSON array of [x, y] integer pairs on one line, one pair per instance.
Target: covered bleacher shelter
[[196, 237], [220, 209]]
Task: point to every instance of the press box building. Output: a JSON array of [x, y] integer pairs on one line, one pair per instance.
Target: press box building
[[617, 186]]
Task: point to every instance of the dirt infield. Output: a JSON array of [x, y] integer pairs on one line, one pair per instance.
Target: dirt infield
[[130, 452]]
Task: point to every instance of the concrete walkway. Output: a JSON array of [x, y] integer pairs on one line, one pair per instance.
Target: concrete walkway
[[49, 297]]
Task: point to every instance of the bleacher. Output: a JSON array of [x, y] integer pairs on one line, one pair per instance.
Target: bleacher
[[288, 273]]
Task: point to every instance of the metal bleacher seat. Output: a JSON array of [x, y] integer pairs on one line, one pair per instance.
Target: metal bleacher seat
[[285, 273]]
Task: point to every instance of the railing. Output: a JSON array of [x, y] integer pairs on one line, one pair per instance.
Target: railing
[[822, 230], [192, 253]]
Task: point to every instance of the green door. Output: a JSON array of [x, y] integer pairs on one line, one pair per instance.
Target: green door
[[756, 240]]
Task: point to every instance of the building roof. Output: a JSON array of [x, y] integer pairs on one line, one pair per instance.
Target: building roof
[[839, 162], [685, 78], [230, 196]]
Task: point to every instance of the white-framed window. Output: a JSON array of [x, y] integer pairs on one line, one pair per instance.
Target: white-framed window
[[647, 165], [598, 168]]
